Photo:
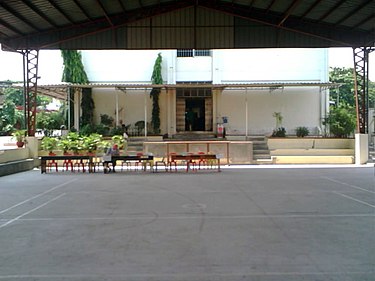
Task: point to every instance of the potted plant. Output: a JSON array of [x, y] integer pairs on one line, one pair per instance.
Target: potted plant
[[49, 144], [91, 142], [119, 140], [64, 144], [20, 136]]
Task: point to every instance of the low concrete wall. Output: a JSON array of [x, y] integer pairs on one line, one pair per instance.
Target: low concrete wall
[[14, 160], [312, 151], [18, 166], [310, 143], [236, 152], [313, 159], [15, 154]]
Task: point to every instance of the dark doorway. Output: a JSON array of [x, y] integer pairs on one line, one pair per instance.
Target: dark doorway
[[194, 114]]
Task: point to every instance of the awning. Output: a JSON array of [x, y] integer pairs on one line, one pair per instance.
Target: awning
[[60, 91]]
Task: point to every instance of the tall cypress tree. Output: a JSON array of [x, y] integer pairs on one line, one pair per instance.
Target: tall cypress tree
[[156, 79], [74, 72]]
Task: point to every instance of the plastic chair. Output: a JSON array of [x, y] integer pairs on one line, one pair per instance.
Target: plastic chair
[[171, 162], [161, 161]]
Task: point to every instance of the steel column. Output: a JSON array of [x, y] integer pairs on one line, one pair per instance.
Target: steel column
[[30, 79], [361, 67]]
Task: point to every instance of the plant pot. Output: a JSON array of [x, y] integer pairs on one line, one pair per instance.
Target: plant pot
[[20, 144]]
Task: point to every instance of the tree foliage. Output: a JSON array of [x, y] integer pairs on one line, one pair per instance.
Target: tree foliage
[[345, 94], [157, 79], [74, 72], [12, 117], [341, 121]]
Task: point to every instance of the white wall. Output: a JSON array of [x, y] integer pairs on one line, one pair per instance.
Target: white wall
[[266, 65], [299, 107], [123, 66], [131, 106], [194, 69]]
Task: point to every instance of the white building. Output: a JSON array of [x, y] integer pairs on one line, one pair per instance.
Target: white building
[[243, 87]]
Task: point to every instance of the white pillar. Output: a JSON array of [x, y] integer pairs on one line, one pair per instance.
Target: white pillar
[[361, 149], [116, 98], [246, 115], [145, 107], [77, 108]]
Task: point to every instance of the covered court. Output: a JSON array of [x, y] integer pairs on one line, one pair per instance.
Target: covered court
[[279, 223]]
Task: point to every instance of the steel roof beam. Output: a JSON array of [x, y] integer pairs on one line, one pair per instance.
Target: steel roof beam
[[312, 7], [10, 27], [39, 13], [118, 20], [18, 15], [105, 12], [330, 11], [270, 6], [289, 11], [353, 12], [369, 18], [82, 10], [122, 5], [52, 2]]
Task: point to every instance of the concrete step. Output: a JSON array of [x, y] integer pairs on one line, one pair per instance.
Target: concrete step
[[194, 136]]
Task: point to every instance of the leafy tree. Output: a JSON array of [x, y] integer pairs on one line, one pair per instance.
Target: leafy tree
[[10, 116], [345, 94], [17, 97], [341, 120], [74, 72], [157, 79], [49, 121], [7, 116]]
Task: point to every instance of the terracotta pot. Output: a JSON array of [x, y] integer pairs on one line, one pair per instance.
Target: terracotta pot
[[20, 144]]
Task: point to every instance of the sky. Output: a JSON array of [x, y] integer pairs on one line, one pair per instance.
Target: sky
[[50, 64]]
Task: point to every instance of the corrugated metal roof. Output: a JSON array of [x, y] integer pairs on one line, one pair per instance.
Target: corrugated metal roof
[[161, 24]]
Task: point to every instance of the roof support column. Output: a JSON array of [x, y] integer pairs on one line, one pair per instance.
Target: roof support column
[[145, 108], [361, 67], [30, 79]]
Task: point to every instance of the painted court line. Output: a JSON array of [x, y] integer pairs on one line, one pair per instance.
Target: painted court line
[[38, 195], [186, 276], [346, 184], [206, 217], [354, 199], [32, 210]]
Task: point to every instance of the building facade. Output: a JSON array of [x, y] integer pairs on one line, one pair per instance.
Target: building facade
[[241, 89]]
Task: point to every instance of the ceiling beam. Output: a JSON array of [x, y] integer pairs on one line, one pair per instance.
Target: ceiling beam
[[119, 20], [68, 18], [312, 7], [105, 12], [39, 12], [80, 7], [289, 11], [122, 5], [370, 18], [10, 27], [270, 6], [330, 11], [337, 37], [18, 15], [353, 12]]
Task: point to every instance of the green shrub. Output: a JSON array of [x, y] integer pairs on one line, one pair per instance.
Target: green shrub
[[341, 121], [302, 132], [279, 132]]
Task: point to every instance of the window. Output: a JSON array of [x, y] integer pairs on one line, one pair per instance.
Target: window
[[193, 53]]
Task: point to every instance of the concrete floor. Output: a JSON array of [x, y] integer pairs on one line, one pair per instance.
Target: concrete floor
[[263, 224]]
